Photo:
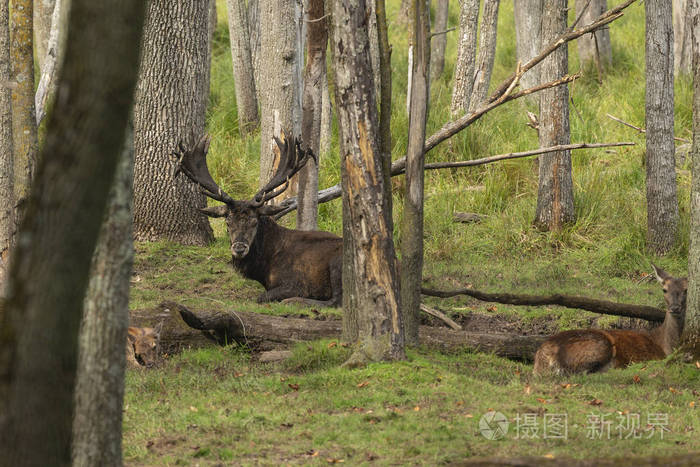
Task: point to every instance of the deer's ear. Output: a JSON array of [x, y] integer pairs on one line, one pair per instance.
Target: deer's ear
[[661, 275], [131, 334], [215, 211]]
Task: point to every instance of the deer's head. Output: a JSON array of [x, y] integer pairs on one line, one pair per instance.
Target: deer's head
[[675, 291], [242, 216], [145, 342]]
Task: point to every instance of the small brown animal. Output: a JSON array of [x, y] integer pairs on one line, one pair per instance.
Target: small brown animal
[[142, 346], [591, 350]]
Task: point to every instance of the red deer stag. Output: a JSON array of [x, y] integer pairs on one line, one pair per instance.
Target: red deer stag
[[591, 350], [289, 263]]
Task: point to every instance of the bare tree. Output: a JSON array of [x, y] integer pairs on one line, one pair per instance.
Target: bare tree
[[7, 197], [99, 387], [374, 289], [595, 47], [466, 53], [412, 237], [170, 107], [662, 201], [57, 237], [243, 74], [439, 40], [682, 35], [528, 36], [487, 54], [555, 196]]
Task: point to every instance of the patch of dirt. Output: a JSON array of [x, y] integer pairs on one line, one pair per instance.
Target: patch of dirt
[[497, 323]]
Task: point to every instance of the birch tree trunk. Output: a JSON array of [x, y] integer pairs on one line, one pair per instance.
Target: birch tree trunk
[[375, 285], [439, 42], [99, 387], [662, 201], [7, 197], [682, 35], [528, 37], [57, 237], [243, 74], [171, 102], [691, 330], [412, 238], [595, 47], [487, 53], [466, 53], [314, 80], [555, 196]]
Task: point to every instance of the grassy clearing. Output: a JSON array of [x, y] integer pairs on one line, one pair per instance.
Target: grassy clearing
[[218, 406]]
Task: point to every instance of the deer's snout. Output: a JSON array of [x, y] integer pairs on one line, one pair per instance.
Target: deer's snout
[[239, 249]]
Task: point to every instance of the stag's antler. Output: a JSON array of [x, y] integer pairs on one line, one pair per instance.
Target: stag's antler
[[292, 159], [193, 163]]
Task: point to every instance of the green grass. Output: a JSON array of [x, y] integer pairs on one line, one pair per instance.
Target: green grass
[[218, 405]]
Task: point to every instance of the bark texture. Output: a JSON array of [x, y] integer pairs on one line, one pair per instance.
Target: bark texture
[[466, 56], [412, 237], [99, 387], [691, 332], [375, 285], [662, 201], [555, 196], [7, 197], [49, 65], [243, 74], [43, 10], [40, 323], [487, 54], [279, 84], [385, 139], [596, 47], [439, 42], [171, 102], [254, 38], [683, 35], [24, 131], [528, 37], [312, 110]]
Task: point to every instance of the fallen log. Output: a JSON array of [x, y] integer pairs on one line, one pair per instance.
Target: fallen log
[[605, 307], [265, 332]]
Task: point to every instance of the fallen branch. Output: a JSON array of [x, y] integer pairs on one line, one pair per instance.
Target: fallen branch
[[441, 316], [642, 130], [605, 307]]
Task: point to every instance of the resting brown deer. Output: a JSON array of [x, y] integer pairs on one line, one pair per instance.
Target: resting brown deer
[[290, 264], [592, 350], [142, 346]]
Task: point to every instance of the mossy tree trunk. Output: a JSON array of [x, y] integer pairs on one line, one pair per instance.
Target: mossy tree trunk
[[49, 276]]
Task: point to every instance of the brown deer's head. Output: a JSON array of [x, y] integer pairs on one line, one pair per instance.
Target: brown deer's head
[[675, 291], [144, 342], [242, 217]]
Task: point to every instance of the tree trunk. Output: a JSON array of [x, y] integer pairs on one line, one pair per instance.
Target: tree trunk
[[24, 131], [171, 102], [40, 323], [691, 331], [487, 54], [595, 47], [385, 139], [99, 387], [662, 201], [326, 119], [278, 80], [439, 42], [7, 197], [373, 258], [682, 35], [528, 37], [43, 10], [243, 75], [254, 38], [49, 67], [412, 237], [555, 196], [314, 80], [466, 54]]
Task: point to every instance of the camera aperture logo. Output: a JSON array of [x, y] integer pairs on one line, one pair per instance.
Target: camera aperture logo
[[493, 425]]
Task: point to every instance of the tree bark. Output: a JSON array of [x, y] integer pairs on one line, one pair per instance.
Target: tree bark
[[43, 11], [595, 47], [487, 54], [312, 109], [243, 75], [99, 387], [691, 330], [254, 35], [662, 201], [51, 61], [466, 56], [24, 131], [278, 80], [373, 258], [171, 102], [7, 197], [682, 36], [555, 196], [385, 138], [40, 323], [439, 41], [412, 237], [528, 37]]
